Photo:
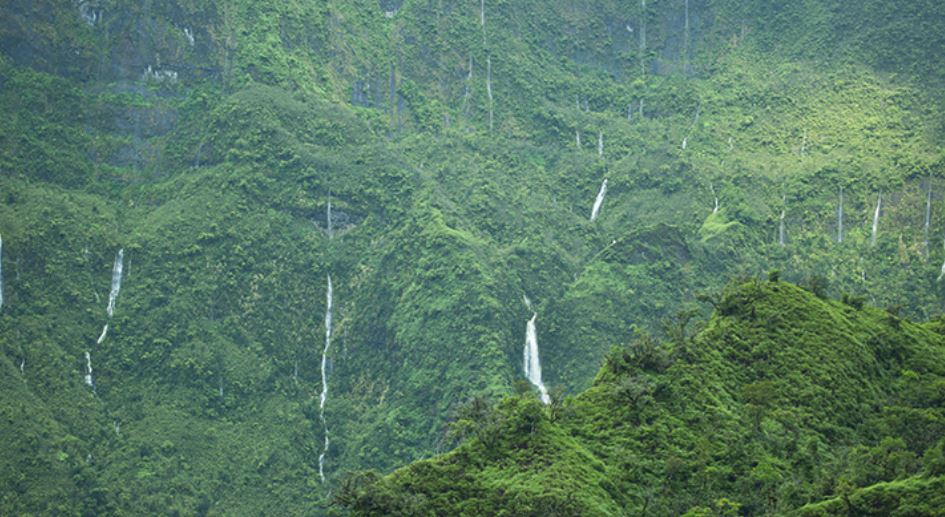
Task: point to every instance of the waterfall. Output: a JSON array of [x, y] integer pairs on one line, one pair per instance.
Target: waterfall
[[600, 144], [685, 143], [629, 112], [482, 13], [943, 267], [1, 272], [715, 210], [116, 281], [599, 201], [489, 88], [189, 34], [328, 216], [879, 204], [117, 268], [928, 218], [641, 110], [577, 137], [840, 217], [532, 365], [323, 397], [781, 230], [88, 371]]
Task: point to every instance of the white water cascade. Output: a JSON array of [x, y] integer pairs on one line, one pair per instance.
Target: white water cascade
[[489, 88], [101, 336], [600, 144], [840, 217], [88, 371], [943, 267], [879, 204], [117, 269], [928, 218], [715, 209], [328, 216], [599, 201], [577, 137], [323, 397], [532, 365], [781, 230]]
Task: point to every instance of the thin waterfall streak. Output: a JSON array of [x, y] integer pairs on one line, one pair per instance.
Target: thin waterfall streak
[[116, 281], [532, 363], [328, 216], [489, 89], [323, 396], [840, 218], [101, 337], [117, 269], [88, 371], [928, 218], [599, 201], [328, 316], [942, 275], [879, 204]]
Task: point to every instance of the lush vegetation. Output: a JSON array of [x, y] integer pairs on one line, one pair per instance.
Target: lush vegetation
[[207, 139], [782, 403]]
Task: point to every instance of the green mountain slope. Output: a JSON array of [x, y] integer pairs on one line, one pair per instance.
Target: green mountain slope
[[782, 399], [207, 139]]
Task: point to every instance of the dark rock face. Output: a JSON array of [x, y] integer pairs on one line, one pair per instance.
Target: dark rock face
[[90, 41]]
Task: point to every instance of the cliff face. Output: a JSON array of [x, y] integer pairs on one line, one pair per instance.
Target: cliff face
[[460, 146]]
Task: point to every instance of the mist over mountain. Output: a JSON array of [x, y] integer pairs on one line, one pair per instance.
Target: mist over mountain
[[334, 256]]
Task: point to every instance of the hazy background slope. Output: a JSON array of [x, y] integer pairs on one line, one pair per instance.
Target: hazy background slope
[[206, 139]]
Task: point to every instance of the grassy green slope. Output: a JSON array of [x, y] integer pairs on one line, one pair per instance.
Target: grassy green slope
[[783, 398], [216, 185]]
